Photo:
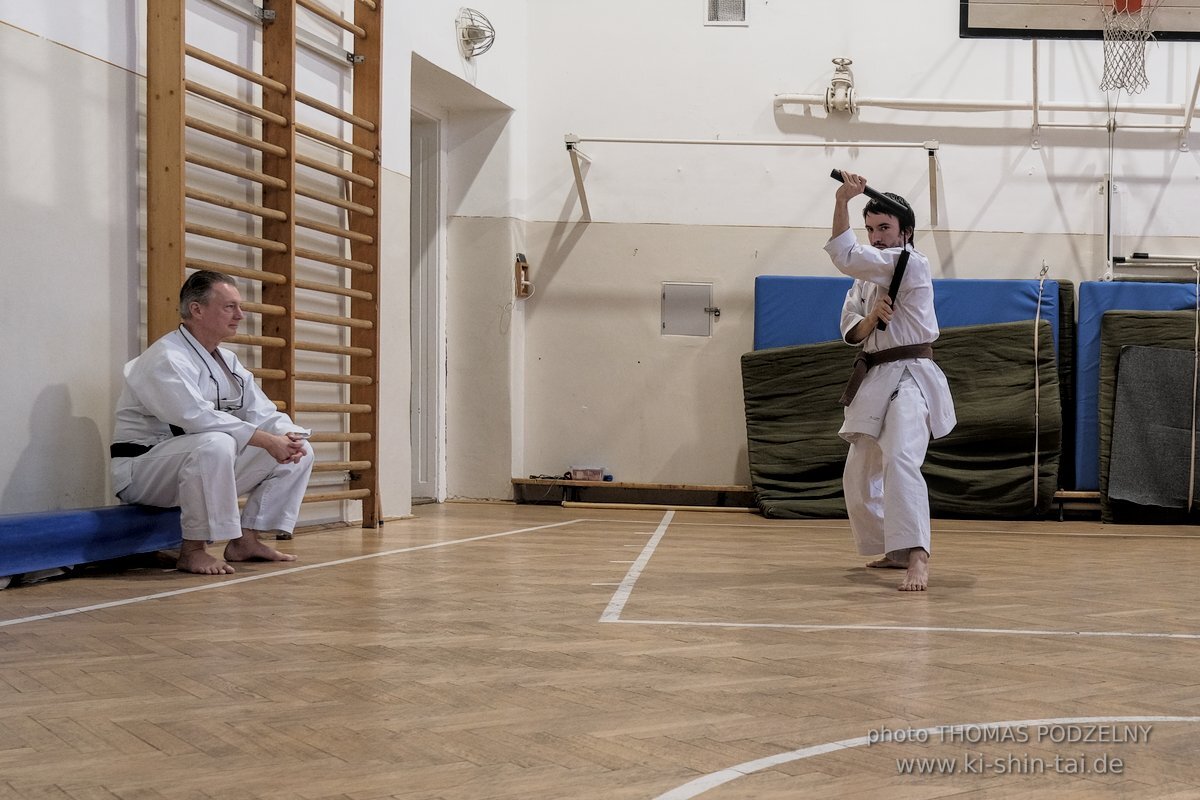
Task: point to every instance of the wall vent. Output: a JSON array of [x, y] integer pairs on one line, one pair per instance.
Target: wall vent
[[726, 12]]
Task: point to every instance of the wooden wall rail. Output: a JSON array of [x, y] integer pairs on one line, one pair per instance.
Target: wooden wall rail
[[235, 205], [234, 136], [313, 225], [331, 289], [235, 69], [336, 172], [333, 141], [232, 102], [328, 14], [243, 196]]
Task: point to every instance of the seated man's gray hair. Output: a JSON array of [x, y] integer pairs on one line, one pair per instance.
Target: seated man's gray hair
[[196, 288]]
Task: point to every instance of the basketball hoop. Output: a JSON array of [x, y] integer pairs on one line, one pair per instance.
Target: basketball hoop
[[1126, 31]]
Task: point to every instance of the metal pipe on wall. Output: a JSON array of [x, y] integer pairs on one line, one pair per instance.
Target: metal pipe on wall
[[929, 104], [573, 141]]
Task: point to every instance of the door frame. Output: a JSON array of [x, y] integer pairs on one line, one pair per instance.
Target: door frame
[[427, 286]]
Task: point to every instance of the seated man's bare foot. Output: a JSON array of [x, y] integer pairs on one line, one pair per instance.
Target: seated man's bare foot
[[916, 579], [249, 548], [886, 563], [198, 561]]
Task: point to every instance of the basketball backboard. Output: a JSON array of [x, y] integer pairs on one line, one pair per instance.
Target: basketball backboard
[[1173, 20]]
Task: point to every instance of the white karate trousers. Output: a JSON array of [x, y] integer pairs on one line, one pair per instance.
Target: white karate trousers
[[203, 474], [886, 496]]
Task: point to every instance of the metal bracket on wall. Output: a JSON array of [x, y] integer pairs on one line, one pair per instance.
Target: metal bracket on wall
[[572, 142]]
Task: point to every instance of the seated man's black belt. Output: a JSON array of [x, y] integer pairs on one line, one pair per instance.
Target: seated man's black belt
[[133, 449], [127, 449], [867, 360]]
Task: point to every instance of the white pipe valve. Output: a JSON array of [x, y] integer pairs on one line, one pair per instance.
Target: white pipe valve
[[840, 94]]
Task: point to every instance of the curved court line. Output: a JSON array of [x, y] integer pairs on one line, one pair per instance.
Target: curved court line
[[907, 628], [221, 584], [613, 612], [714, 779]]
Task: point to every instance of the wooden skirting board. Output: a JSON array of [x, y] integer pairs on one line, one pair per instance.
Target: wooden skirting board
[[554, 491]]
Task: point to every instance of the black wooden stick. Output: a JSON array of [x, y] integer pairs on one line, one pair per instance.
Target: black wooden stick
[[897, 276], [898, 210]]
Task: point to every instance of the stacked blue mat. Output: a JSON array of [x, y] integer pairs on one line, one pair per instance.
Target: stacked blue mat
[[791, 309], [1095, 299]]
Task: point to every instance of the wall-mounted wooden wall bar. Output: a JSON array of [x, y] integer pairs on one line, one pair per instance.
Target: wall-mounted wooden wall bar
[[260, 152]]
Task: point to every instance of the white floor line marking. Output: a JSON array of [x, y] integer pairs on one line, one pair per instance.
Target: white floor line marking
[[221, 584], [907, 628], [845, 526], [621, 596], [714, 779]]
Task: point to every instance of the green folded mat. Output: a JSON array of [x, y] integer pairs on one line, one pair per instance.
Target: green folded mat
[[984, 468]]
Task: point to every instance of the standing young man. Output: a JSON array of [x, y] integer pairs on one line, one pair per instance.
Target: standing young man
[[903, 398]]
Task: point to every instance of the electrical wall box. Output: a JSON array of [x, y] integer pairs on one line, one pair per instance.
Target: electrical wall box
[[587, 473], [687, 309]]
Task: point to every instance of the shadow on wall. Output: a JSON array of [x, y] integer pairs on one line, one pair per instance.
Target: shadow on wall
[[563, 239], [64, 465]]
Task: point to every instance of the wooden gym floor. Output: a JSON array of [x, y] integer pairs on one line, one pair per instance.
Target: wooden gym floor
[[503, 651]]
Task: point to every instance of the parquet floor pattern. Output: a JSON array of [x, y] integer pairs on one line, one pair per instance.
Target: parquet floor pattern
[[444, 657]]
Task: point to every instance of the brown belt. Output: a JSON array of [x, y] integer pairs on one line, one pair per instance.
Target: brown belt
[[867, 360]]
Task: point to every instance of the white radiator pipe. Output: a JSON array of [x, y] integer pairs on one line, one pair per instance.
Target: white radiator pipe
[[928, 104], [573, 141], [929, 145]]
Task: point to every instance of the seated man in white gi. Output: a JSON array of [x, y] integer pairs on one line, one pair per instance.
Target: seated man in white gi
[[903, 397], [194, 430]]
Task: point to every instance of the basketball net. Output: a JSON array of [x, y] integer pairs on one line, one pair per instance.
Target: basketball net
[[1126, 31]]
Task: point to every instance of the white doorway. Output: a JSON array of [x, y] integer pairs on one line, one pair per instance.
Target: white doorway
[[428, 414]]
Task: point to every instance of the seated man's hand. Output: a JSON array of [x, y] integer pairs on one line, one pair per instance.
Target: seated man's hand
[[283, 449], [295, 446]]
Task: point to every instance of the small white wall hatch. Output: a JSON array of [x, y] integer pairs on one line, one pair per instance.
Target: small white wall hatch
[[687, 309]]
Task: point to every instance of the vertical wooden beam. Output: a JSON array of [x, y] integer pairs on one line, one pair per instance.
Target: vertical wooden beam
[[164, 165], [367, 104], [279, 63]]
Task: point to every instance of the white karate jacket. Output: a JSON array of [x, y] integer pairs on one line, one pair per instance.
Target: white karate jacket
[[913, 322], [177, 382]]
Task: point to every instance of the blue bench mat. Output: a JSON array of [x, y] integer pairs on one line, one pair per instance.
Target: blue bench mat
[[48, 539], [796, 309], [1095, 298]]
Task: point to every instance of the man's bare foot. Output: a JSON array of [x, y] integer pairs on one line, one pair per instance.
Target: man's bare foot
[[249, 548], [194, 558], [886, 563], [916, 579]]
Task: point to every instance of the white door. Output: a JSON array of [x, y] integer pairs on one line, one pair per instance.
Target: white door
[[425, 284]]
